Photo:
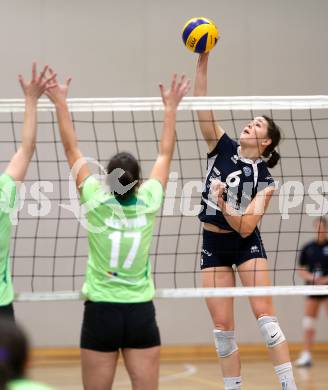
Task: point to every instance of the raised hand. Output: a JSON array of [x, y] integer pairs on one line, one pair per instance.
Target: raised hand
[[39, 84], [58, 93], [171, 97]]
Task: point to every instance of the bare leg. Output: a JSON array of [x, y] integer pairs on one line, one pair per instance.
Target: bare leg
[[326, 305], [221, 310], [98, 369], [312, 306], [143, 367]]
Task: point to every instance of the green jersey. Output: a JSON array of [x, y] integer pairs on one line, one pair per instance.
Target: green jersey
[[119, 238], [7, 203], [26, 384]]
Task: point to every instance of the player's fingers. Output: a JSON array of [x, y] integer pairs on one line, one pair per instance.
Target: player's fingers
[[50, 70], [186, 87], [49, 86], [33, 70], [68, 81], [217, 185], [161, 88], [43, 73], [49, 79], [174, 81], [21, 81], [182, 80]]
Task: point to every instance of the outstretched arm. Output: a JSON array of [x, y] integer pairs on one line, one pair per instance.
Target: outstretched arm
[[32, 91], [211, 131], [171, 99], [76, 161]]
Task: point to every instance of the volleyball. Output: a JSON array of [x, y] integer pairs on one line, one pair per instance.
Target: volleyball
[[200, 35]]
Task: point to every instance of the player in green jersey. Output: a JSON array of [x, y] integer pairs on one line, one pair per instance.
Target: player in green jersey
[[119, 313], [14, 174], [14, 354]]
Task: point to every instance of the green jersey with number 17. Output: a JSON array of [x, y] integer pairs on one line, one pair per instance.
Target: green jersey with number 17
[[119, 239]]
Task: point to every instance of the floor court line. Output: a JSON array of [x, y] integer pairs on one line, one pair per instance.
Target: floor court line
[[189, 370]]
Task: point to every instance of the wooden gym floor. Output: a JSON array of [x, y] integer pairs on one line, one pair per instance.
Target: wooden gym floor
[[186, 368]]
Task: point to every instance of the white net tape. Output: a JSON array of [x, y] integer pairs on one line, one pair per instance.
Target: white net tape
[[218, 292], [188, 103]]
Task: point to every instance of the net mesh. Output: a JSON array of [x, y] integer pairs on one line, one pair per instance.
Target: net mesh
[[49, 245]]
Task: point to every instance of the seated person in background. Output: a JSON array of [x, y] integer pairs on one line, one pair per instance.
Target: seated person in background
[[314, 270]]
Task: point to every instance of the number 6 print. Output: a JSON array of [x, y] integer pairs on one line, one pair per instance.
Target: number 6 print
[[233, 179]]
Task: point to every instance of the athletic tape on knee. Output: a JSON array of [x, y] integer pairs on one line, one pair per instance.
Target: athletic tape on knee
[[225, 342], [271, 331], [308, 323]]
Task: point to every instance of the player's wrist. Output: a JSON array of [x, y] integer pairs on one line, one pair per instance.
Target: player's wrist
[[171, 108], [60, 103], [31, 100]]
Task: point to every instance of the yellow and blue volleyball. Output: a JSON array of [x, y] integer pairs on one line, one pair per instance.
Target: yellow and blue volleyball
[[200, 35]]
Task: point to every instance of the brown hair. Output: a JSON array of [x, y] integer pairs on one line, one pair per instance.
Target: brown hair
[[13, 351], [274, 133], [129, 164]]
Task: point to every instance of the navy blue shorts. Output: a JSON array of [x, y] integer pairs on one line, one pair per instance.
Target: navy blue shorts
[[316, 297], [227, 249], [108, 327]]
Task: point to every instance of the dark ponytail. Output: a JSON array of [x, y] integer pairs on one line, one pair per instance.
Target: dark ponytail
[[274, 133], [13, 352], [127, 174], [273, 159]]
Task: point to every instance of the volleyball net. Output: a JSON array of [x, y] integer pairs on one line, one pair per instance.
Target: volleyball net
[[49, 245]]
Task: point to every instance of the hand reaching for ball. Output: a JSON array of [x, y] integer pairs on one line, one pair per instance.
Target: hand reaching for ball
[[172, 96]]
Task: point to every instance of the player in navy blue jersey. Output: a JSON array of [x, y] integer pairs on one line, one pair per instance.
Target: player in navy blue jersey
[[313, 263], [237, 192]]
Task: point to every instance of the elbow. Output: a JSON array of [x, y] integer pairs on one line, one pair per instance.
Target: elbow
[[247, 225], [245, 234], [246, 231]]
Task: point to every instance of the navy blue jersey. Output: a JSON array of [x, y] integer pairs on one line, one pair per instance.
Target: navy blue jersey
[[314, 257], [244, 179]]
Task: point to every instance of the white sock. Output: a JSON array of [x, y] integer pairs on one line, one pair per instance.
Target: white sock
[[232, 383], [286, 377]]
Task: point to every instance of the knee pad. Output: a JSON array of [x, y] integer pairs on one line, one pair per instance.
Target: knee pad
[[271, 331], [225, 342], [308, 323]]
